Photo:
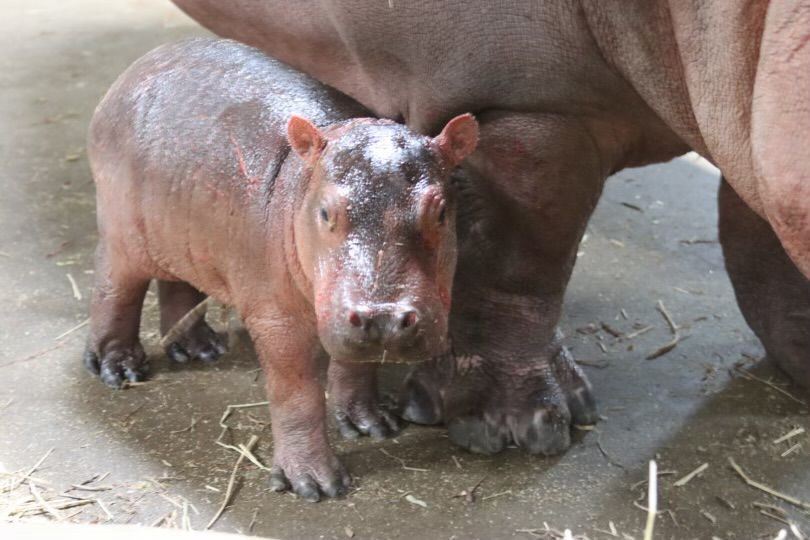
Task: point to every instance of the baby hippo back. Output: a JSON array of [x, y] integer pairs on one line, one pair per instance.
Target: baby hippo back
[[198, 128], [179, 99]]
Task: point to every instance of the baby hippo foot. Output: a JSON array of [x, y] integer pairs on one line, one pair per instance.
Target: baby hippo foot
[[199, 342], [368, 417], [309, 475], [490, 405], [117, 366], [357, 407]]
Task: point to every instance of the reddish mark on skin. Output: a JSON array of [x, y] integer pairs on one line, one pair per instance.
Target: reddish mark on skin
[[322, 300], [211, 186], [253, 181], [518, 149], [140, 225], [505, 157], [803, 41], [324, 293], [444, 296]]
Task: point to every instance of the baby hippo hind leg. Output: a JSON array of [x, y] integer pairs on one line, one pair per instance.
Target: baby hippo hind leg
[[356, 403], [199, 341], [114, 352]]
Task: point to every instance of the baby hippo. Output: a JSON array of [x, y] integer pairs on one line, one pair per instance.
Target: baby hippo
[[220, 171]]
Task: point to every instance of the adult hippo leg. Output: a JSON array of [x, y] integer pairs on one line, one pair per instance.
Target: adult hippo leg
[[774, 296], [200, 341], [531, 188]]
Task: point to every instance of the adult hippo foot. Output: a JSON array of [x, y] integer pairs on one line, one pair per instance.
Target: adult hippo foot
[[490, 405], [774, 296], [309, 476], [200, 342], [116, 367]]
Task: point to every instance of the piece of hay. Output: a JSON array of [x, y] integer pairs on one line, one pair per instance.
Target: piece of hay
[[790, 450], [413, 500], [762, 487], [501, 494], [66, 333], [639, 332], [652, 501], [402, 462], [750, 376], [196, 314], [231, 481], [41, 500], [604, 452], [683, 481], [110, 516], [676, 337], [31, 470], [789, 435], [77, 294]]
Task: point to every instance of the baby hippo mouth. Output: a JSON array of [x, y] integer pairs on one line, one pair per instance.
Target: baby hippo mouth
[[396, 333]]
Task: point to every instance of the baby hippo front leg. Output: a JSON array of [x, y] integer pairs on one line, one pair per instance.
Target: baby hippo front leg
[[302, 457], [354, 396]]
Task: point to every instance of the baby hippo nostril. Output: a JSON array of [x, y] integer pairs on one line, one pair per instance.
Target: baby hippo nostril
[[408, 319], [391, 326], [355, 319], [364, 326]]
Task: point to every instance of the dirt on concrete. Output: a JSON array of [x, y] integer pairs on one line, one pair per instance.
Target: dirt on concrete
[[653, 238]]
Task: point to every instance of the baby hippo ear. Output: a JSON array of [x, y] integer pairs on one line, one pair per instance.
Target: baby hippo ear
[[304, 138], [458, 139]]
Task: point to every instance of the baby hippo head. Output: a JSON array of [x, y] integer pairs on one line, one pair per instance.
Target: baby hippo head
[[375, 234]]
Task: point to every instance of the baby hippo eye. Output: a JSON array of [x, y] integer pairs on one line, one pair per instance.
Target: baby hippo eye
[[327, 219]]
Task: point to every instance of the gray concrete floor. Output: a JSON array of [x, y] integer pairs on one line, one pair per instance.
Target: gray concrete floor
[[683, 409]]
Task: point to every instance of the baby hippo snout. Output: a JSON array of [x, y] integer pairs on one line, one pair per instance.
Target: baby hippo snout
[[394, 328]]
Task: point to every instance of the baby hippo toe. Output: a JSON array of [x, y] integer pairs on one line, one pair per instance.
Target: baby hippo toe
[[200, 342], [370, 419], [116, 367], [358, 406], [311, 480]]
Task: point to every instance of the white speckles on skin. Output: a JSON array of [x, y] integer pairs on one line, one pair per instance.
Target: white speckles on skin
[[362, 263], [383, 153], [345, 190], [387, 153]]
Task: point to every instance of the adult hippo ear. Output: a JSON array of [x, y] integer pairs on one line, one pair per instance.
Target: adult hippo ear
[[305, 138], [458, 139]]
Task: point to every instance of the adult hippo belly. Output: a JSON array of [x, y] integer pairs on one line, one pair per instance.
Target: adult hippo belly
[[567, 93]]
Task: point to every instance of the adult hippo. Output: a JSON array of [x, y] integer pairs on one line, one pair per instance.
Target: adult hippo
[[568, 92]]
